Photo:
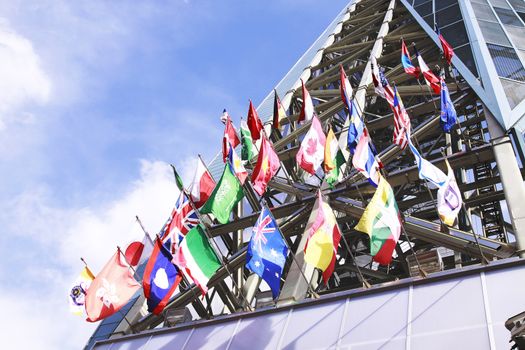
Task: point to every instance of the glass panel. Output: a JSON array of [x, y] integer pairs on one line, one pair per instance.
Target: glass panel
[[484, 12], [249, 335], [449, 15], [500, 3], [479, 1], [132, 344], [493, 33], [508, 17], [170, 340], [515, 91], [517, 36], [465, 55], [424, 9], [507, 62], [419, 2], [441, 4], [215, 336], [519, 5], [455, 34], [522, 16], [430, 20]]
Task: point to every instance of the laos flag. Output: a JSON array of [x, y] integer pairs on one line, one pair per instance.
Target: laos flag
[[161, 278], [407, 62]]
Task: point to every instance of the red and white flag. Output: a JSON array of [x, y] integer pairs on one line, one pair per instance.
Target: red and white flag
[[267, 166], [311, 152], [230, 137], [345, 87], [254, 123], [429, 76], [307, 111], [202, 185], [110, 290], [138, 252], [401, 122], [381, 84]]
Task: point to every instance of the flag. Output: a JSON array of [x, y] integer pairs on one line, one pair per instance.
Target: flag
[[227, 193], [331, 148], [267, 251], [77, 293], [197, 258], [278, 111], [202, 185], [382, 223], [448, 52], [311, 152], [427, 170], [161, 278], [178, 179], [355, 128], [407, 62], [236, 166], [307, 110], [138, 252], [448, 117], [254, 123], [365, 159], [183, 218], [323, 239], [381, 84], [230, 138], [110, 290], [429, 76], [335, 175], [345, 87], [449, 199], [268, 164], [247, 150], [401, 122], [225, 116]]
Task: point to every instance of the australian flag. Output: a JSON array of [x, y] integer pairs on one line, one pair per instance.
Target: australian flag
[[448, 112], [267, 251], [161, 278]]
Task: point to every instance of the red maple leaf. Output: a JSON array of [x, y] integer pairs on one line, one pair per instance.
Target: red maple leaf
[[311, 147]]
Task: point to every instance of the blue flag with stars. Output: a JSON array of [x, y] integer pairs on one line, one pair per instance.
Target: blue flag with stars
[[448, 112], [267, 251]]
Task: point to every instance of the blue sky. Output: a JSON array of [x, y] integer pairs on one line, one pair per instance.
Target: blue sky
[[97, 97]]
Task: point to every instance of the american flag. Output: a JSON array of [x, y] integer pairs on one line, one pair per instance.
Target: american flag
[[182, 220], [401, 122]]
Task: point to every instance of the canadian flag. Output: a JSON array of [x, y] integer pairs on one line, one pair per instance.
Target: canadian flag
[[202, 185], [311, 152]]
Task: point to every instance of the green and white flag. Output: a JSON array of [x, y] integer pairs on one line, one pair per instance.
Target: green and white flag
[[248, 149], [224, 197], [336, 173], [197, 258]]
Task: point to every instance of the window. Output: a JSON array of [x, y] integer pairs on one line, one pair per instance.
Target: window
[[508, 17], [448, 16], [493, 33], [507, 62]]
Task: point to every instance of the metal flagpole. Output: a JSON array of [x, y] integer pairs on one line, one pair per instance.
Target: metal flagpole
[[361, 277]]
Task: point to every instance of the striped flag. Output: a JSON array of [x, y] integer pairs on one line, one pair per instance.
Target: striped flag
[[407, 62], [430, 79], [307, 110], [401, 122], [382, 87], [365, 159], [278, 111], [345, 87]]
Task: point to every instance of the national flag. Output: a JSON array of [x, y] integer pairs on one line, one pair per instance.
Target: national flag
[[381, 84], [254, 123], [110, 290], [77, 293], [331, 148], [448, 52], [323, 238], [197, 258], [311, 152], [183, 218], [355, 128], [381, 221], [401, 122], [268, 164], [236, 166], [279, 113], [202, 185], [335, 175], [430, 79], [267, 251], [248, 149], [178, 179], [230, 138], [345, 88], [449, 199], [307, 109], [138, 252], [448, 116], [161, 278], [227, 193], [225, 116], [427, 170], [365, 159], [407, 62]]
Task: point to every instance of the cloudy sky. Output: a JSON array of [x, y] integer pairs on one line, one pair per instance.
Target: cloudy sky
[[96, 98]]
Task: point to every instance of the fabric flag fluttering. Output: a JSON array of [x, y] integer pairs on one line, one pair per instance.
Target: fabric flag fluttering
[[365, 159], [230, 138], [449, 199], [161, 278], [77, 293], [401, 122], [225, 115], [448, 52], [236, 166], [427, 170], [330, 151], [183, 219], [381, 221], [335, 175], [279, 113], [430, 79], [110, 290], [248, 149], [407, 62], [448, 116], [345, 88], [254, 123], [197, 258], [323, 238], [267, 251], [381, 85], [224, 197], [138, 252], [311, 152], [202, 185], [268, 164], [355, 127], [307, 110]]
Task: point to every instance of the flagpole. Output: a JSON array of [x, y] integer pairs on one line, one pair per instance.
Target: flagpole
[[84, 261], [126, 260], [360, 274]]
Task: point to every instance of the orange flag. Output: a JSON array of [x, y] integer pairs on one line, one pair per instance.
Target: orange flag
[[110, 290], [267, 166]]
